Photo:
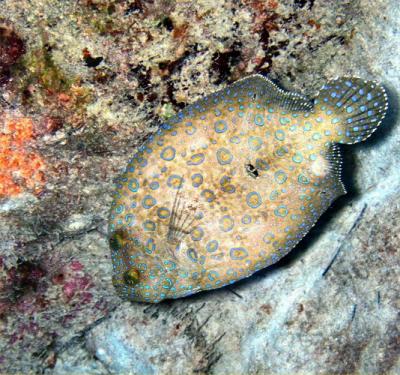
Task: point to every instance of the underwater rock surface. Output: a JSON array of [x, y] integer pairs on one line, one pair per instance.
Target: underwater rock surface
[[81, 88]]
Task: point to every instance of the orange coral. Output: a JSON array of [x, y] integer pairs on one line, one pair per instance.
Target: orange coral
[[20, 169]]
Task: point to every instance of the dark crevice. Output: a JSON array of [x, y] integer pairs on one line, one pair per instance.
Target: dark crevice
[[335, 38], [222, 63], [12, 48], [135, 8], [171, 97], [168, 24], [142, 74], [270, 51], [25, 277], [172, 66], [304, 3]]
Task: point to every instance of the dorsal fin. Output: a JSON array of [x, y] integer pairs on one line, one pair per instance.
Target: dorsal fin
[[255, 88], [267, 90]]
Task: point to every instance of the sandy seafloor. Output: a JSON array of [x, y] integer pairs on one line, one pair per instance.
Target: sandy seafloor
[[83, 83]]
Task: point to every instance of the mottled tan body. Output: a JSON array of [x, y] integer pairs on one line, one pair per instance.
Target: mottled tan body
[[255, 217]]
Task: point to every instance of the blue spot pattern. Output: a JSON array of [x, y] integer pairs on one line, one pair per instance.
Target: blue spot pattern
[[187, 216]]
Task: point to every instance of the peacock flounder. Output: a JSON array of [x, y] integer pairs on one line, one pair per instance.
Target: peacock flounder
[[232, 183]]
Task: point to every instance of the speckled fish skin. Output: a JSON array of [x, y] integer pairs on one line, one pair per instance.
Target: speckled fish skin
[[232, 183]]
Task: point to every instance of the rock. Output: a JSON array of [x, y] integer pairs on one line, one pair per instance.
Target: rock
[[329, 306], [77, 223]]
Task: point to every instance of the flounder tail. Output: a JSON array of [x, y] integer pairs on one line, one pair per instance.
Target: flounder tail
[[352, 107]]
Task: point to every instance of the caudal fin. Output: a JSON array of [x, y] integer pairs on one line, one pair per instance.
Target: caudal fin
[[354, 108]]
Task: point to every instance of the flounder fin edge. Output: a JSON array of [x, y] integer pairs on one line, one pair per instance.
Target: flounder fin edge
[[353, 108]]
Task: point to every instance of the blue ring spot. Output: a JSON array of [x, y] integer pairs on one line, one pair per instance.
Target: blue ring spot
[[133, 185], [280, 177], [255, 143], [280, 135], [167, 283], [170, 265], [224, 156], [168, 153], [142, 266], [154, 185], [148, 201], [208, 195], [212, 246], [262, 165], [190, 130], [192, 254], [149, 226], [281, 151], [119, 209], [220, 126], [226, 223], [259, 120], [303, 179], [268, 237], [163, 212], [284, 120], [196, 159], [150, 246], [130, 219], [175, 182], [297, 157], [238, 253], [213, 275], [253, 199], [142, 162], [197, 234], [197, 179], [246, 219], [226, 185], [281, 211]]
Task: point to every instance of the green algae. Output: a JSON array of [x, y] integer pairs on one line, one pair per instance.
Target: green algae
[[167, 111], [43, 71]]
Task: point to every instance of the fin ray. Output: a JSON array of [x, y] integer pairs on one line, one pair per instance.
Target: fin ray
[[331, 186], [334, 157]]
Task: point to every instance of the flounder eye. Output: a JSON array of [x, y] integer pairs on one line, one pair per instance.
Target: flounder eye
[[131, 276], [251, 170], [118, 239]]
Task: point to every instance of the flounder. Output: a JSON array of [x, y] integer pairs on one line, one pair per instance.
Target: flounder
[[232, 183]]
